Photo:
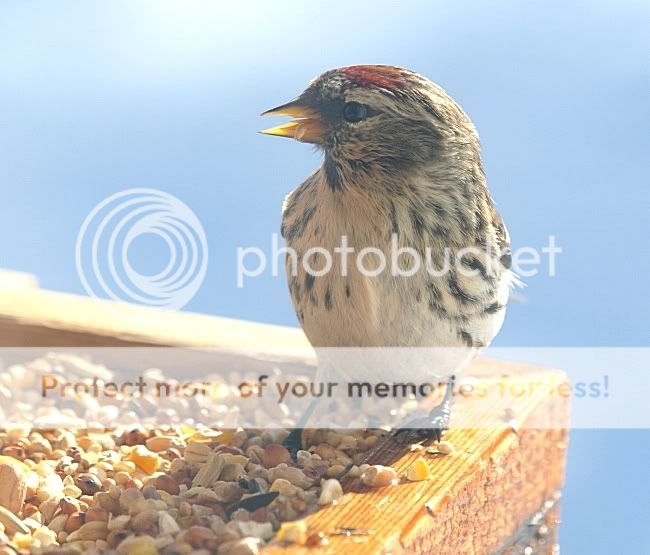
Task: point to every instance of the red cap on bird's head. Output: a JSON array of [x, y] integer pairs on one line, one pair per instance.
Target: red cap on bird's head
[[379, 76]]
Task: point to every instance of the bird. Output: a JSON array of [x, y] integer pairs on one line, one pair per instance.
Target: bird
[[401, 167]]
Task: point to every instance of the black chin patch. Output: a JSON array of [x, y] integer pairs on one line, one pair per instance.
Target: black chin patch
[[332, 174]]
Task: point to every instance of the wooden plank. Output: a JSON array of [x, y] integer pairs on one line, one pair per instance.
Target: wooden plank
[[38, 318], [480, 496], [11, 280]]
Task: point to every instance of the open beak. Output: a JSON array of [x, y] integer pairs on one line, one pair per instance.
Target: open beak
[[307, 126]]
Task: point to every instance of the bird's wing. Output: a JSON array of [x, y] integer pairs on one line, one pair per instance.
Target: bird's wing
[[505, 250]]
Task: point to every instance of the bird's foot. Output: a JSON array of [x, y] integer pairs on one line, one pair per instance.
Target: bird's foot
[[430, 427], [293, 442]]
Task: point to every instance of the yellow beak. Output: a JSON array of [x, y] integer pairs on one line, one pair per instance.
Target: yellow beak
[[307, 127]]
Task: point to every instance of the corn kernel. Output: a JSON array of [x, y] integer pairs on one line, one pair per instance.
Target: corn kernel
[[22, 541], [212, 436], [418, 470], [293, 532], [144, 459]]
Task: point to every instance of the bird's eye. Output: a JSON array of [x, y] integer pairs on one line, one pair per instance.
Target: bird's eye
[[354, 112]]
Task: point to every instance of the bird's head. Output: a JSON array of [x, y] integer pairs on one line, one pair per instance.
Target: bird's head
[[376, 119]]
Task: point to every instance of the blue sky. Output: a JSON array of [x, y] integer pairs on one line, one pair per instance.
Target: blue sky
[[99, 97]]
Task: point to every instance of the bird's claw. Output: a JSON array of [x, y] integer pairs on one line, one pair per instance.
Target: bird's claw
[[422, 429], [431, 427]]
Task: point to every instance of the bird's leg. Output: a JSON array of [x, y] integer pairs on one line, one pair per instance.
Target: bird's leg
[[432, 426]]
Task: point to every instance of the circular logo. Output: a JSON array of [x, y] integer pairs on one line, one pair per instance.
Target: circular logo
[[109, 231]]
